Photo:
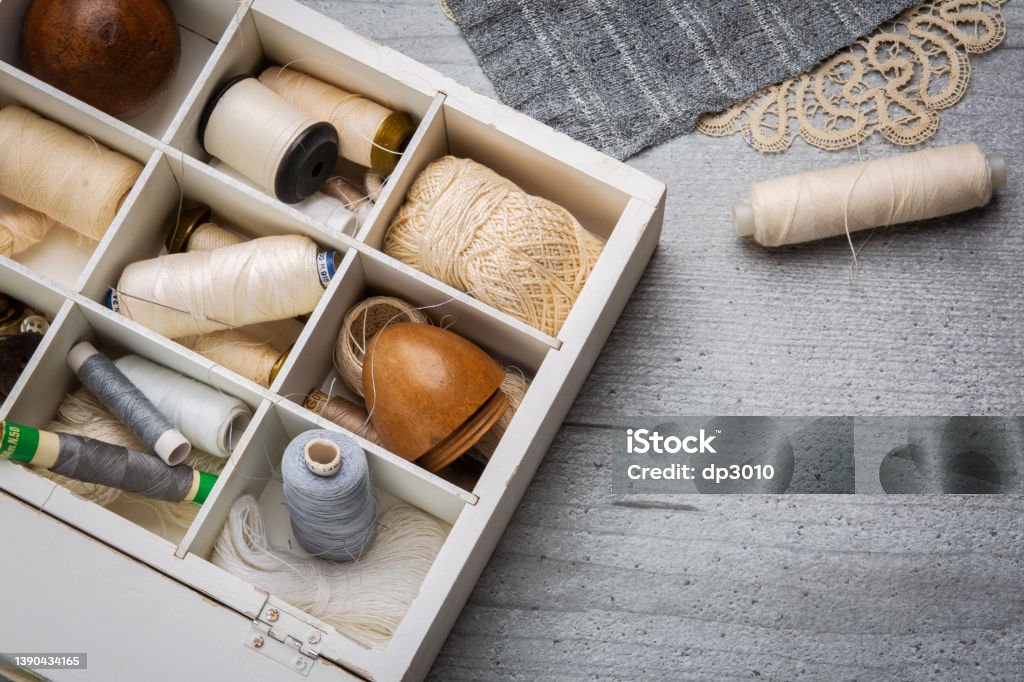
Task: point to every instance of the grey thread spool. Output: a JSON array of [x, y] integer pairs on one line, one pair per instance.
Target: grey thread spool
[[212, 421], [95, 461], [128, 403], [329, 494]]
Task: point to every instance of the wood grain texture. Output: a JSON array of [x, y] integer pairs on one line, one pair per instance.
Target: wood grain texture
[[586, 585]]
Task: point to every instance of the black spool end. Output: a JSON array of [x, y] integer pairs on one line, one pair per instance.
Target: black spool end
[[204, 118], [307, 164]]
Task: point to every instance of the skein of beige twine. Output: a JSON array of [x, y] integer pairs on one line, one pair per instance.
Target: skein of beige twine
[[469, 227], [262, 280], [210, 236], [240, 352], [361, 322], [362, 125], [897, 189], [70, 178]]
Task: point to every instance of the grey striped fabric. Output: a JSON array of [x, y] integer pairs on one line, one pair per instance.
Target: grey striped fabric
[[622, 76]]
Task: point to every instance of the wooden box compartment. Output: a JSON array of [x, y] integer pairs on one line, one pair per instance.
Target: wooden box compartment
[[177, 185], [47, 380], [619, 204]]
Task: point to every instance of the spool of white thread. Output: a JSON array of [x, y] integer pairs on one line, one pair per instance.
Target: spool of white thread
[[275, 144], [897, 189], [211, 420], [322, 208], [262, 280]]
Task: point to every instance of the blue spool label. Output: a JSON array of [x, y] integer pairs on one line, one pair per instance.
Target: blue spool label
[[325, 266], [112, 301]]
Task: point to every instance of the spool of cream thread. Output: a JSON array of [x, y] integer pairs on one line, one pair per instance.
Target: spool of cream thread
[[128, 403], [281, 148], [261, 280], [42, 167], [211, 420], [321, 207], [195, 232], [370, 134], [888, 191], [242, 353]]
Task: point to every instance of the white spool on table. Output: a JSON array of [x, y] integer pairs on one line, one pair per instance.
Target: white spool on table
[[897, 189]]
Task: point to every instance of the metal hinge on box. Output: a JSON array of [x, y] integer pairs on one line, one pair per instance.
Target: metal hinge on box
[[290, 641]]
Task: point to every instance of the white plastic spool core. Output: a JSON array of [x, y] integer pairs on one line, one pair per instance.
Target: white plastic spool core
[[323, 457]]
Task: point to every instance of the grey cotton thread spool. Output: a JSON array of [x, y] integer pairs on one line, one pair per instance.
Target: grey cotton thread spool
[[329, 495], [95, 461], [128, 403]]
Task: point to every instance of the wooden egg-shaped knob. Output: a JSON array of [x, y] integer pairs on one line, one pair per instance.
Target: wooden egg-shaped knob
[[117, 55], [431, 394]]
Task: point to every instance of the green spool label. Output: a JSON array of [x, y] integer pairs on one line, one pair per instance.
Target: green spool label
[[20, 443], [206, 483]]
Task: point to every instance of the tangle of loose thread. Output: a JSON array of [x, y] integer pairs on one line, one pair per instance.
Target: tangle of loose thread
[[365, 599]]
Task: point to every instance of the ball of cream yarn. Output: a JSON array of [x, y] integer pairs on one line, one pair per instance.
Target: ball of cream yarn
[[477, 231]]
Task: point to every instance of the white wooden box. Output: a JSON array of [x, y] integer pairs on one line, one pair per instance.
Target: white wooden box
[[155, 607]]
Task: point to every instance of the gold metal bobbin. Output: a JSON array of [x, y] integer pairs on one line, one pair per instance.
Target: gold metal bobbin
[[390, 141], [191, 219], [279, 364]]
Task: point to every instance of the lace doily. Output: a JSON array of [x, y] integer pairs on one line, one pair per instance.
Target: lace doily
[[893, 81]]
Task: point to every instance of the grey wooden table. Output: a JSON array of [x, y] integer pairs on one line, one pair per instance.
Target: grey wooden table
[[588, 585]]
